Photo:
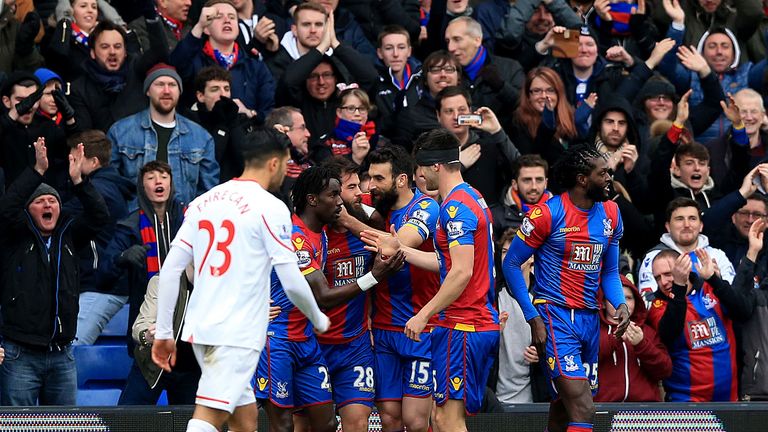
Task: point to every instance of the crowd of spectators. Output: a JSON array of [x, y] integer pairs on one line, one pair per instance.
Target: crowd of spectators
[[116, 114]]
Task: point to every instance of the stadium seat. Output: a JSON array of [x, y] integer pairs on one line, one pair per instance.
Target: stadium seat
[[98, 397], [101, 373]]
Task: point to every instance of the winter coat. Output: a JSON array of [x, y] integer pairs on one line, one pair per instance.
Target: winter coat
[[664, 187], [116, 191], [127, 234], [420, 118], [320, 116], [499, 100], [391, 101], [97, 106], [647, 284], [750, 281], [40, 284], [190, 153], [10, 60], [139, 27], [17, 152], [631, 373], [252, 82], [490, 173], [731, 81], [228, 134], [504, 23], [741, 16]]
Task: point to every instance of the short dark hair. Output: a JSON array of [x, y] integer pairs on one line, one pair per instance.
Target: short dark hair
[[341, 166], [155, 165], [439, 139], [262, 145], [211, 73], [95, 144], [681, 202], [757, 196], [311, 181], [102, 27], [392, 29], [441, 57], [576, 161], [529, 161], [397, 158], [451, 91], [281, 116], [507, 236], [693, 149], [18, 78]]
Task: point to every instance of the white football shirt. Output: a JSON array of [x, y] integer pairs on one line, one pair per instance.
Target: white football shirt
[[236, 232]]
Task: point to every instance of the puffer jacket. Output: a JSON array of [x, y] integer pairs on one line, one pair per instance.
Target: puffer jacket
[[39, 288]]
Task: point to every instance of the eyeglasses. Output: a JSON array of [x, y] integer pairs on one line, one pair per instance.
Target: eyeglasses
[[351, 109], [438, 69], [660, 98], [753, 215], [301, 128], [324, 76], [538, 91]]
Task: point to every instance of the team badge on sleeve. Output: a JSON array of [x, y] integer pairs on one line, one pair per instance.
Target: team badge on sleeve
[[455, 229], [304, 258], [527, 226], [607, 229]]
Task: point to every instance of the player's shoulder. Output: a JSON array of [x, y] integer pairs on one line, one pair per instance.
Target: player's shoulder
[[611, 209]]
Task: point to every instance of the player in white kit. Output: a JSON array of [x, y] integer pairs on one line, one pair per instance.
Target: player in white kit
[[235, 234]]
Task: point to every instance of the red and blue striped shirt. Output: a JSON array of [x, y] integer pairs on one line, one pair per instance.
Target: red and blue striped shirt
[[311, 250], [465, 219]]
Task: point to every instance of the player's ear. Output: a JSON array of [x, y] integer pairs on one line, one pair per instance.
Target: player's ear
[[312, 200]]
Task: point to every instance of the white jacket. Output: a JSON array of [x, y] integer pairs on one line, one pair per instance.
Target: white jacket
[[647, 284]]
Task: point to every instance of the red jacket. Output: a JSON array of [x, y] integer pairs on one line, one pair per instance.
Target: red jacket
[[626, 372]]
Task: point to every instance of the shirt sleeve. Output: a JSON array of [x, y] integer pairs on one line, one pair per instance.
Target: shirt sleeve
[[423, 217], [612, 287], [459, 222], [305, 254], [536, 226], [276, 235], [186, 235]]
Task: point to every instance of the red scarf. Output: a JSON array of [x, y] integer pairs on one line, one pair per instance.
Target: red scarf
[[56, 118], [176, 26], [79, 35], [525, 207], [223, 60]]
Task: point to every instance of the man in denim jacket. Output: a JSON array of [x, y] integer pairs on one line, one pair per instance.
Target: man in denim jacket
[[159, 133]]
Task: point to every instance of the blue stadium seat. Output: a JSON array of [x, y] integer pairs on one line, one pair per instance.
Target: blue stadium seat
[[98, 397], [101, 373]]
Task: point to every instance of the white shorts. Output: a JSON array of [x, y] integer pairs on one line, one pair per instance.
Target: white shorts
[[227, 371]]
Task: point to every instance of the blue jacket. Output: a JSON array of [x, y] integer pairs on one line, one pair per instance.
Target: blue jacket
[[191, 153], [252, 81], [733, 80]]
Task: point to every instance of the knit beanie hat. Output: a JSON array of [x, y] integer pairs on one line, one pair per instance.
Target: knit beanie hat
[[160, 70], [43, 189], [46, 75]]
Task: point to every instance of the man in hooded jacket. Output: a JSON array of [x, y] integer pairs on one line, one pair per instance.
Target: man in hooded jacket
[[631, 367]]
